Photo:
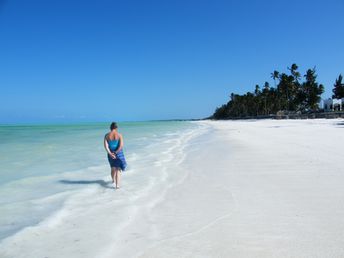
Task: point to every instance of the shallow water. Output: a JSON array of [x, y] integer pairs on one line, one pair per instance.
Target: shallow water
[[44, 165]]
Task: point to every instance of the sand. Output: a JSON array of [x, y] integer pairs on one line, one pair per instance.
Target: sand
[[261, 188]]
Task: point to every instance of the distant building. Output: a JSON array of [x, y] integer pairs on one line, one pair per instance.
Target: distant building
[[333, 105]]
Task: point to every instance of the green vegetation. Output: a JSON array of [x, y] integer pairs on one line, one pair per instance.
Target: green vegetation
[[338, 90], [290, 94]]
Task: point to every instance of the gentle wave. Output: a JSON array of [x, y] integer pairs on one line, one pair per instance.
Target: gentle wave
[[43, 198]]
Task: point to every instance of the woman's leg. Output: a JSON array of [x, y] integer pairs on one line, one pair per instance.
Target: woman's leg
[[113, 170], [117, 176]]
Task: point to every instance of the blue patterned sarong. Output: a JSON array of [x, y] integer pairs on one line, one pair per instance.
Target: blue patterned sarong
[[119, 161]]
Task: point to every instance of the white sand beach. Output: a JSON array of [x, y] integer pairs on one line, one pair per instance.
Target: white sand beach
[[263, 188]]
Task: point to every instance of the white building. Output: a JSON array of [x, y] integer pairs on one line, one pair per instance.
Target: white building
[[334, 104]]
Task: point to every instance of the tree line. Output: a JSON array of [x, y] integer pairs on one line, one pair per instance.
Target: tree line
[[291, 92]]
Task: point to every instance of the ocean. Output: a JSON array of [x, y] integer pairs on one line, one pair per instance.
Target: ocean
[[44, 166]]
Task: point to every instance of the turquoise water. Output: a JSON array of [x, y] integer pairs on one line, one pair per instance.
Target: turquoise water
[[41, 165]]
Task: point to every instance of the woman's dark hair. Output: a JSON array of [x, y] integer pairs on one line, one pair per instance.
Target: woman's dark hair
[[113, 126]]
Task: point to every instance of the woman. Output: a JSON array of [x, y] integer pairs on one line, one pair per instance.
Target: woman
[[113, 143]]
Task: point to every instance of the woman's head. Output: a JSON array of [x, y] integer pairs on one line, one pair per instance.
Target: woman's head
[[113, 126]]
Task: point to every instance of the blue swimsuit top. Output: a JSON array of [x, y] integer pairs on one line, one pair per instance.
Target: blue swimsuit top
[[113, 144]]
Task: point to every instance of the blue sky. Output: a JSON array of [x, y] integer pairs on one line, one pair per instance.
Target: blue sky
[[105, 60]]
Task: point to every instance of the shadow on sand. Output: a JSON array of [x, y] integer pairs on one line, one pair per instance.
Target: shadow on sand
[[86, 182]]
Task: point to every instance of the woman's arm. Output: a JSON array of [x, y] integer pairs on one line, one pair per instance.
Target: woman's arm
[[106, 146], [120, 144]]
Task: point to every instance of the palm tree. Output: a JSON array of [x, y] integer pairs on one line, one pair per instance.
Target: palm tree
[[312, 89], [257, 96], [265, 93], [294, 72], [274, 76]]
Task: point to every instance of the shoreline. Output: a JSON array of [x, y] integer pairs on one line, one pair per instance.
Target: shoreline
[[86, 225]]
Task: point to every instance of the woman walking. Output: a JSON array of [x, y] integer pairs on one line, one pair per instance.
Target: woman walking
[[113, 143]]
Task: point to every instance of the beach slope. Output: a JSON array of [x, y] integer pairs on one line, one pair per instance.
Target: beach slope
[[257, 189]]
